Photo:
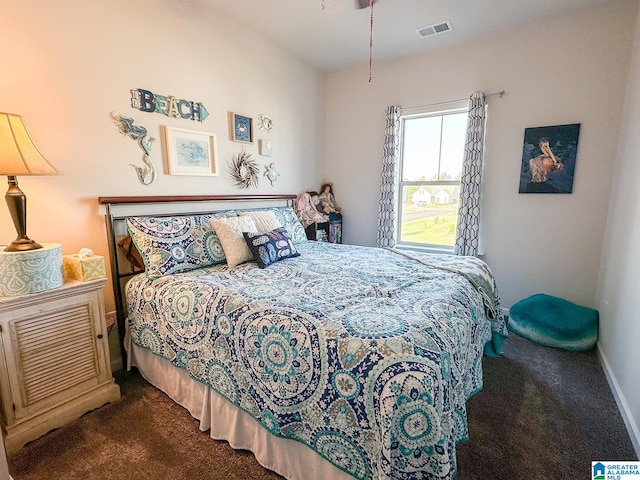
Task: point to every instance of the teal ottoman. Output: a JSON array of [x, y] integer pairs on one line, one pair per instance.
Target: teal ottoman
[[554, 322]]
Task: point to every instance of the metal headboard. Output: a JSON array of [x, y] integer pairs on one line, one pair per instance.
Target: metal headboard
[[119, 208]]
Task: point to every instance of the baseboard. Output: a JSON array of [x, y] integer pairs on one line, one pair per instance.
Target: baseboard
[[623, 406]]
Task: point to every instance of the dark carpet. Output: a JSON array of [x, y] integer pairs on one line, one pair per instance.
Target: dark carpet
[[543, 414]]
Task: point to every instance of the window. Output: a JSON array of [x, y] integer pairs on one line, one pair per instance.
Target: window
[[431, 155]]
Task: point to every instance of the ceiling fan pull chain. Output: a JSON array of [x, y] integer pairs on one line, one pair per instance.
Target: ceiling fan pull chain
[[371, 42]]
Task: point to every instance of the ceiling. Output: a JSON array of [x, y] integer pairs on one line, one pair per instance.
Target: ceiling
[[337, 36]]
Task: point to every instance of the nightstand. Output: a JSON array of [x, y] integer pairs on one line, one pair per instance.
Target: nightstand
[[330, 231], [54, 359]]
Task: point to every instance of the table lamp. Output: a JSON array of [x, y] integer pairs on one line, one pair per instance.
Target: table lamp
[[19, 156]]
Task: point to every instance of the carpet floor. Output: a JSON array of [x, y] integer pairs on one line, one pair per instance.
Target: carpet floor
[[544, 413]]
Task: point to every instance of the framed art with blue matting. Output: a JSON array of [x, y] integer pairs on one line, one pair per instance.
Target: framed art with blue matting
[[241, 128]]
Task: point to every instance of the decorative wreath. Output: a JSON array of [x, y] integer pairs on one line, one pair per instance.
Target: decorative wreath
[[244, 170]]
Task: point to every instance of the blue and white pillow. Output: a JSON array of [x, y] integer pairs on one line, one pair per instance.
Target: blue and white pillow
[[271, 247], [176, 244]]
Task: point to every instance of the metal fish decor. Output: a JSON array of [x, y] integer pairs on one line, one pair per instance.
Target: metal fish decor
[[146, 174]]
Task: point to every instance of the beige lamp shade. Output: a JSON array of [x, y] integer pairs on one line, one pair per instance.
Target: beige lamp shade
[[19, 156], [18, 153]]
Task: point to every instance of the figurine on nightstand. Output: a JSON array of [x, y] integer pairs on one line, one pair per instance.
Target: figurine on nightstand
[[327, 200], [307, 211], [315, 201], [328, 203]]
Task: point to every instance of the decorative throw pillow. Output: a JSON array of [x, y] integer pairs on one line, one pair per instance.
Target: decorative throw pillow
[[131, 253], [265, 220], [229, 231], [291, 224], [287, 219], [177, 243], [271, 247]]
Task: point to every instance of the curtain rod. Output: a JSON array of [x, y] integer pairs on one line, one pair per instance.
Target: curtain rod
[[500, 94]]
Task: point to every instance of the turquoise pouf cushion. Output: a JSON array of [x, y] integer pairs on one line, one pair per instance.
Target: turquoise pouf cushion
[[554, 322]]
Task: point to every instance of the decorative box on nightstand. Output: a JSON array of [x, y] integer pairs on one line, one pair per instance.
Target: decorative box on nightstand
[[31, 271], [54, 359]]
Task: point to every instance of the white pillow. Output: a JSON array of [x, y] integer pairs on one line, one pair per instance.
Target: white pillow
[[229, 231], [265, 220]]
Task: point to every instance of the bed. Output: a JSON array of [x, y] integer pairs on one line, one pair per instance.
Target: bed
[[335, 361]]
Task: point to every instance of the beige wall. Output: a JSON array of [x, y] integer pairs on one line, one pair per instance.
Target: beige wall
[[65, 65], [618, 287], [566, 70]]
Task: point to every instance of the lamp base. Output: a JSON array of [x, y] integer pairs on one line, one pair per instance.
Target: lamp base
[[17, 203], [22, 245]]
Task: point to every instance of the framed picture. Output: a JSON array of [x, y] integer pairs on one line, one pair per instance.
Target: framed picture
[[190, 152], [265, 147], [549, 159], [241, 128]]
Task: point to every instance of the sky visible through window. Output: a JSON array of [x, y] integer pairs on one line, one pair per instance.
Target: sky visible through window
[[426, 139]]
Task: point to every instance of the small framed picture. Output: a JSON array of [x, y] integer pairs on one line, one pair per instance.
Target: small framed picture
[[265, 147], [190, 152], [241, 128]]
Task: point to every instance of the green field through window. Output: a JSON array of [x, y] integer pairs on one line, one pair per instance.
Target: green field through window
[[435, 225]]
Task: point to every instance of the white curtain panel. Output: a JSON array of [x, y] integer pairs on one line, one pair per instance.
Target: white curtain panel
[[469, 208], [389, 185]]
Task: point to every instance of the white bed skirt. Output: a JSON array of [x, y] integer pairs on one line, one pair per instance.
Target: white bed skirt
[[289, 458]]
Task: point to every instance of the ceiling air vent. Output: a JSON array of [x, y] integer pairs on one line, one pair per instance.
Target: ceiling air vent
[[435, 28]]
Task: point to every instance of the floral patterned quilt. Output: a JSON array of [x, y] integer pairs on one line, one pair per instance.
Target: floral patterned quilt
[[365, 355]]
